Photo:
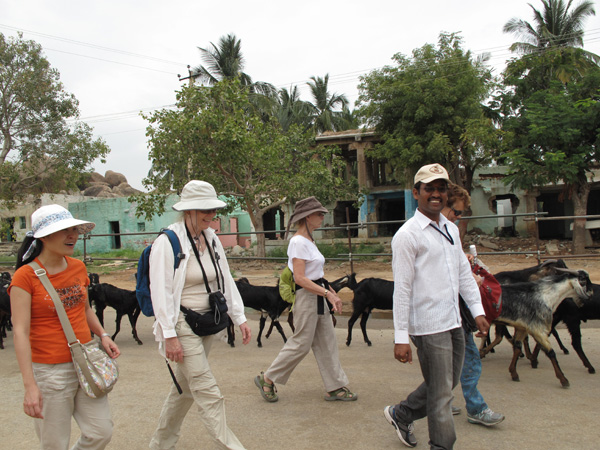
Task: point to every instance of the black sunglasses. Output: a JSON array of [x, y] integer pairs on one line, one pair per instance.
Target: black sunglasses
[[432, 189], [457, 212]]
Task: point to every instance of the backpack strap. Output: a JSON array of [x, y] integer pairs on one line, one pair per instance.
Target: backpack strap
[[176, 244]]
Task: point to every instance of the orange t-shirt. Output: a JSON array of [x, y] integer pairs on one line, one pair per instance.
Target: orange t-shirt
[[48, 340]]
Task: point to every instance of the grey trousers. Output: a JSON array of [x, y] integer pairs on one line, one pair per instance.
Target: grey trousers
[[314, 332], [199, 386], [441, 358]]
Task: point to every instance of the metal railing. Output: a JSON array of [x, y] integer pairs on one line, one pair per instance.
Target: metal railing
[[350, 226]]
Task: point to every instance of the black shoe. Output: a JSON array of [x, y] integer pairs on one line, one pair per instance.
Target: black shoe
[[404, 431]]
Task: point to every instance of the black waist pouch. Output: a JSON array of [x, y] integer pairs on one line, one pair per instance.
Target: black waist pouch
[[208, 323]]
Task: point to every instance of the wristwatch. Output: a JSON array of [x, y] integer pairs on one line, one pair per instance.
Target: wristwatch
[[325, 294]]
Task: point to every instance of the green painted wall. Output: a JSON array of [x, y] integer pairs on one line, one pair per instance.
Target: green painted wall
[[110, 214], [118, 214]]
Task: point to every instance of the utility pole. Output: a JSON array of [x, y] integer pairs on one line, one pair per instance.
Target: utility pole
[[190, 78]]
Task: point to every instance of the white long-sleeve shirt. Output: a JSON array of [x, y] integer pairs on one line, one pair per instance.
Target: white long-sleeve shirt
[[429, 274], [166, 287]]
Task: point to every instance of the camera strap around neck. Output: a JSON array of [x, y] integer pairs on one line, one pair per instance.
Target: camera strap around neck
[[212, 258]]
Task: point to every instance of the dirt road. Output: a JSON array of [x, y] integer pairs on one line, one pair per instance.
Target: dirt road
[[539, 413]]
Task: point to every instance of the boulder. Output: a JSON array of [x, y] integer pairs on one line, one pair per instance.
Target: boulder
[[95, 190], [125, 190], [95, 177], [114, 178]]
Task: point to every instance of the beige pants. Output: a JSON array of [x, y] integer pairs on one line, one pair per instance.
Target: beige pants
[[314, 332], [199, 385], [63, 399]]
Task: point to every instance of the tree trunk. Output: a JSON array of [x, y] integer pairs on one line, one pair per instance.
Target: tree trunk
[[260, 237], [580, 199]]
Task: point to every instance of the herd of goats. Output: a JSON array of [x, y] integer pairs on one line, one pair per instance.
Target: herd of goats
[[534, 301]]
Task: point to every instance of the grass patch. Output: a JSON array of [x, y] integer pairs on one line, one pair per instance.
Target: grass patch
[[110, 261]]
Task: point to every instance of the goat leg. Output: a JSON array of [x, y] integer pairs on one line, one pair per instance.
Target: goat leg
[[559, 342], [270, 330], [363, 326], [351, 321], [279, 328], [263, 319], [512, 368], [119, 317], [133, 321], [575, 330], [291, 321], [497, 339]]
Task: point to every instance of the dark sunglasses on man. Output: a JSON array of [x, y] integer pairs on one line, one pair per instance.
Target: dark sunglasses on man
[[457, 212]]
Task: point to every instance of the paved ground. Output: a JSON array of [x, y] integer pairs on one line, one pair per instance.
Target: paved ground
[[540, 414]]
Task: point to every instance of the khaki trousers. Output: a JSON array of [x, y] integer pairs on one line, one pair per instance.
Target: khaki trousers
[[314, 332], [199, 386], [63, 399]]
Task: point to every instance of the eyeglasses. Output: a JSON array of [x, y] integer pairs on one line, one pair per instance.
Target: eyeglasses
[[457, 212], [432, 189], [208, 211]]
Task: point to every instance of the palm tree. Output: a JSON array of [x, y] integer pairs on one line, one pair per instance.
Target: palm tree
[[557, 26], [225, 60], [288, 109], [325, 118]]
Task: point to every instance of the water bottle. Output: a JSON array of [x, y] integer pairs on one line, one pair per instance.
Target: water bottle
[[473, 251]]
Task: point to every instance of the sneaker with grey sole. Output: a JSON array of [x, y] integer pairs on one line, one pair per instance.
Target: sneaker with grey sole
[[486, 417], [455, 410], [404, 431]]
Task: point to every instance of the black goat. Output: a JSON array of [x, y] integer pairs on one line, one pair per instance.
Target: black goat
[[369, 294], [122, 300], [529, 307], [267, 301], [5, 323], [572, 316]]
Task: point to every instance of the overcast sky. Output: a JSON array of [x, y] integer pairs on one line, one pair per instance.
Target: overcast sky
[[122, 57]]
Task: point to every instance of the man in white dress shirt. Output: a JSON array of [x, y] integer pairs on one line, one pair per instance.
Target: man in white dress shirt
[[430, 271]]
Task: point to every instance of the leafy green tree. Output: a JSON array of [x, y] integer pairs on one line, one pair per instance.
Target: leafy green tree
[[559, 28], [428, 108], [556, 139], [40, 150], [226, 61], [214, 136], [326, 106]]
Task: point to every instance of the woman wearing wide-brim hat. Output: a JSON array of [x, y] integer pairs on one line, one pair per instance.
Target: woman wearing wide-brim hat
[[187, 286], [314, 327], [52, 392]]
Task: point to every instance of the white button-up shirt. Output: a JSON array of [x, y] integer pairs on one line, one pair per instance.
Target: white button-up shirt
[[429, 274]]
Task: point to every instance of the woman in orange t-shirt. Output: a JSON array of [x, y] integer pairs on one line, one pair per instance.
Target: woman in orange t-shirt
[[52, 391]]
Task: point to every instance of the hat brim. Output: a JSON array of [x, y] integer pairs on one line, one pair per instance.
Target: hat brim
[[83, 227], [190, 205], [304, 214]]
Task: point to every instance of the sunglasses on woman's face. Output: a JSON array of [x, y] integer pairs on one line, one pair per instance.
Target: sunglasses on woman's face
[[208, 211], [457, 212]]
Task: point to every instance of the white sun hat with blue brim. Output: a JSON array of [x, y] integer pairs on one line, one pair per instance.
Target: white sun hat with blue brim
[[52, 218], [198, 195]]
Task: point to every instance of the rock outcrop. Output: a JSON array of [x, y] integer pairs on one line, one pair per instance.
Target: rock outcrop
[[112, 184]]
